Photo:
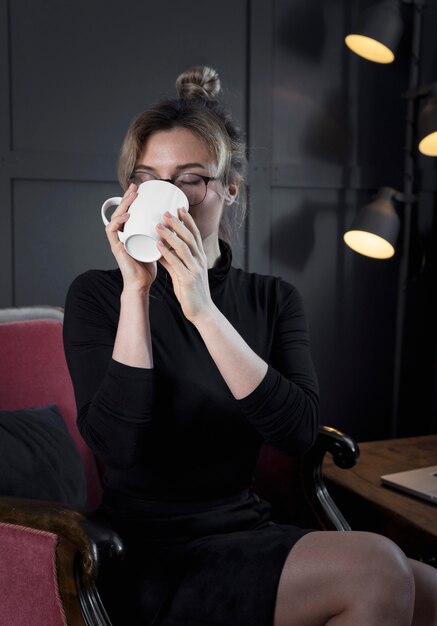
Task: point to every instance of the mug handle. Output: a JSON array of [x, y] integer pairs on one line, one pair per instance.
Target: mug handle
[[115, 201]]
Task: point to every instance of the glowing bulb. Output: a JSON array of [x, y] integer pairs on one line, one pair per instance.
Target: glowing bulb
[[428, 145], [369, 49], [369, 244]]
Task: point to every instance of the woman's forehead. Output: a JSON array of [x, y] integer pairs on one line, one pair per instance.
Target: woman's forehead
[[176, 144], [176, 141]]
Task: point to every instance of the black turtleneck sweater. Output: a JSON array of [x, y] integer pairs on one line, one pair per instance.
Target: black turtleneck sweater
[[175, 432]]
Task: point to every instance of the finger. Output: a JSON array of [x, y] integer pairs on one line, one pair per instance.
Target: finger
[[114, 226], [178, 245], [191, 225], [182, 231], [117, 221], [126, 201], [120, 215], [171, 261], [166, 265]]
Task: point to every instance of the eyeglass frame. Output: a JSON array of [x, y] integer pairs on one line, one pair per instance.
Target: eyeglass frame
[[205, 179]]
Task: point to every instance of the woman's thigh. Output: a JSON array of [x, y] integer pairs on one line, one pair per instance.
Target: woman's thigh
[[354, 577], [425, 605]]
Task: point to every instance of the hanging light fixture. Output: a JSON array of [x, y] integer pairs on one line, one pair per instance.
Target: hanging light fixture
[[427, 124], [375, 229], [378, 32]]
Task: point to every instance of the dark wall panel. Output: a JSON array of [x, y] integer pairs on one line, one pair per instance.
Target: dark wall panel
[[74, 74], [81, 70], [308, 103], [304, 235], [58, 234]]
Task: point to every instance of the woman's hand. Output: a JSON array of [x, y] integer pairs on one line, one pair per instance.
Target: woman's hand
[[185, 260], [137, 276]]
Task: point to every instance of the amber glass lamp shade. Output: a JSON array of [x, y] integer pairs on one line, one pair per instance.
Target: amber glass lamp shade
[[377, 33], [427, 125], [375, 230]]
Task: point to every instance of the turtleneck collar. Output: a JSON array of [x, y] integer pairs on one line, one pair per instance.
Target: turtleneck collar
[[220, 271]]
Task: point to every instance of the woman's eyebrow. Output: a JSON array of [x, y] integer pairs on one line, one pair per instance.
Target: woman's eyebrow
[[177, 167], [185, 165]]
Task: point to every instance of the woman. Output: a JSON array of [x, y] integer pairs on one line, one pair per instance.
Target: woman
[[181, 370]]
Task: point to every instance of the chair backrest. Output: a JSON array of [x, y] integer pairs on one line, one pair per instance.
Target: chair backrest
[[33, 373], [279, 480]]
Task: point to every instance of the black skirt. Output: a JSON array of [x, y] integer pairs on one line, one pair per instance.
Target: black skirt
[[214, 563]]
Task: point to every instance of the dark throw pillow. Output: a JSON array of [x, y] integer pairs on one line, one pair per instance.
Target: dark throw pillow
[[38, 457]]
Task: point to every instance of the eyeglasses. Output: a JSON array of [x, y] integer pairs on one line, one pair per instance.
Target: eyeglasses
[[194, 186]]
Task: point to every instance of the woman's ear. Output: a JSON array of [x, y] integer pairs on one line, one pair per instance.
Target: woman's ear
[[231, 194]]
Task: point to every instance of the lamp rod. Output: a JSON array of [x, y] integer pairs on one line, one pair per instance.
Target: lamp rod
[[408, 191], [403, 197], [420, 92]]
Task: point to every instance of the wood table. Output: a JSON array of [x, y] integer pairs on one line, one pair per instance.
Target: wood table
[[367, 505]]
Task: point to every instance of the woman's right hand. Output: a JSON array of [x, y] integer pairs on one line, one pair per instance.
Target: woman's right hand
[[136, 275]]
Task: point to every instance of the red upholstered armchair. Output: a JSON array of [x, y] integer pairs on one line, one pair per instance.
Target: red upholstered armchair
[[49, 551], [51, 547]]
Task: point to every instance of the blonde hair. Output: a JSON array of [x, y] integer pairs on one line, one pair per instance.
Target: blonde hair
[[198, 110]]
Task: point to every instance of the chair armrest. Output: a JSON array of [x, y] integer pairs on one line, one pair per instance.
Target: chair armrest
[[83, 543], [345, 453], [94, 541]]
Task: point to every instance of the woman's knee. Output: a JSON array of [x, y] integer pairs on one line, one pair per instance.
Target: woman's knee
[[356, 551], [425, 608], [384, 560], [356, 568]]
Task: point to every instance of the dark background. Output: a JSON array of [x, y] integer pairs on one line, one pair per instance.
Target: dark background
[[325, 131]]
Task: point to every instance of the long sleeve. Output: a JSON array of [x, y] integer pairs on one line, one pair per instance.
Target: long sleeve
[[176, 431], [284, 407], [114, 401]]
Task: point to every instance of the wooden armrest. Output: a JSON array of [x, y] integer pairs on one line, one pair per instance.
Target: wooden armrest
[[345, 453], [91, 538]]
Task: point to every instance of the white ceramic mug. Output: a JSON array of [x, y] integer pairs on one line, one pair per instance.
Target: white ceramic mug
[[139, 236]]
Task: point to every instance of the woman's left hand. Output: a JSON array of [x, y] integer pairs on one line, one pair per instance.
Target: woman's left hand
[[185, 260]]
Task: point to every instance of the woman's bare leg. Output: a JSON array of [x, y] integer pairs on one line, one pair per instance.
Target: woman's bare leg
[[425, 606], [344, 578]]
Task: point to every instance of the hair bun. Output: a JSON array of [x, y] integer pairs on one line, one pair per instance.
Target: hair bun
[[200, 82]]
